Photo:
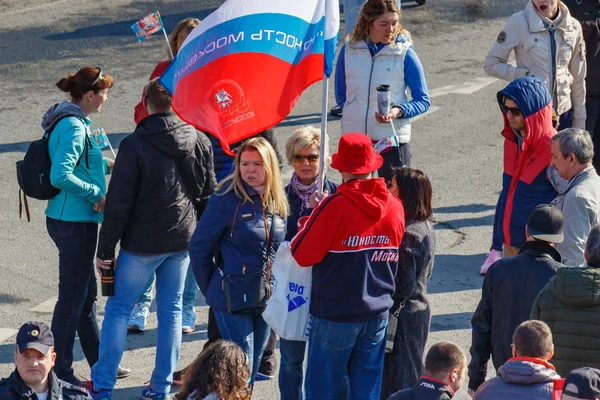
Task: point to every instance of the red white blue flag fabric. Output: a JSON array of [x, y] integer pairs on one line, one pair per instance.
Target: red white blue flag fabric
[[148, 25], [242, 69]]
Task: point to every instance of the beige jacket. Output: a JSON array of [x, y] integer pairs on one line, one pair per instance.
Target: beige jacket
[[525, 33]]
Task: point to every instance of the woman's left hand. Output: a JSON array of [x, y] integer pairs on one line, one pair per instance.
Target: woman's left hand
[[315, 199], [393, 114]]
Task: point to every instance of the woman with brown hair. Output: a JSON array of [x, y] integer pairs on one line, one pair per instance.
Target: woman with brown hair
[[219, 373], [380, 52], [243, 223], [404, 365], [72, 217]]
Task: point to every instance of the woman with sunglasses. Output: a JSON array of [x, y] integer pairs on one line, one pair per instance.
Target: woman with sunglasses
[[302, 150], [72, 217]]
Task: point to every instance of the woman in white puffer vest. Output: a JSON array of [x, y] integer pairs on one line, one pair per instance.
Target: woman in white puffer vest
[[548, 45], [379, 52]]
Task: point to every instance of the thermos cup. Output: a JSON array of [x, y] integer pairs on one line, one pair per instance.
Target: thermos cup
[[383, 99], [108, 280]]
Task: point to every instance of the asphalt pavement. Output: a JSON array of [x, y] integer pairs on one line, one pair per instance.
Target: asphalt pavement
[[457, 144]]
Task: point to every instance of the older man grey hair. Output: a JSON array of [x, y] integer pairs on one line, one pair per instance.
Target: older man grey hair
[[572, 154]]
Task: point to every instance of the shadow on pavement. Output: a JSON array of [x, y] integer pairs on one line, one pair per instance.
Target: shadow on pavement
[[465, 208], [450, 322], [455, 273], [487, 220]]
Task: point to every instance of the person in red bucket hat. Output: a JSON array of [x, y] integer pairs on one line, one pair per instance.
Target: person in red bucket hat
[[351, 239]]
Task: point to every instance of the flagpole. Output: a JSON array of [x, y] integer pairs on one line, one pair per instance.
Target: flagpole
[[321, 177], [166, 37]]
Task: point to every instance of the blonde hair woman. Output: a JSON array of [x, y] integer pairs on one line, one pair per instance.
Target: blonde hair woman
[[302, 151], [379, 52], [243, 224]]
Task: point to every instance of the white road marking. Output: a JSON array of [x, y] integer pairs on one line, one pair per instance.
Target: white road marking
[[6, 333], [47, 307], [463, 88], [430, 111]]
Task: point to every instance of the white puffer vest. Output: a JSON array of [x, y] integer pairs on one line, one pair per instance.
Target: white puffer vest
[[363, 74]]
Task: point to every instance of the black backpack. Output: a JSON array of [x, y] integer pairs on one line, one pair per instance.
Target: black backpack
[[33, 172]]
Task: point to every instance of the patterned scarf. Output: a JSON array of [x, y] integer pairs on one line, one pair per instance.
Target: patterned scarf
[[303, 191]]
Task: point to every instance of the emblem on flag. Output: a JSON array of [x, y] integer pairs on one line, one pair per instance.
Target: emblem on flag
[[100, 137], [147, 26]]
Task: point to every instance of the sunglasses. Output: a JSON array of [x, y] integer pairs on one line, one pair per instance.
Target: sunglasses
[[99, 78], [311, 158], [513, 110]]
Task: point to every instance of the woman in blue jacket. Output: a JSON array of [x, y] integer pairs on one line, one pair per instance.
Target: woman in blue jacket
[[72, 217], [236, 226], [302, 151]]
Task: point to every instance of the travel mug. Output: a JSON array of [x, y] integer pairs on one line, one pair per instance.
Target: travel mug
[[108, 280], [383, 99]]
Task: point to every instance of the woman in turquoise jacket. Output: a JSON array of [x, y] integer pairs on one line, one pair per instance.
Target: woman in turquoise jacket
[[72, 217]]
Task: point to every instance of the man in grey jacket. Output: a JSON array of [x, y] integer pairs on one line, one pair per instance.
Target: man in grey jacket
[[528, 374], [572, 154]]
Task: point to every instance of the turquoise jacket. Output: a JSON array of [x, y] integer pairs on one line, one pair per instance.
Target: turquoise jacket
[[78, 168]]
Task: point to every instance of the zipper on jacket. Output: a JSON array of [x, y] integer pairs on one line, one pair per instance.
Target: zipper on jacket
[[369, 90]]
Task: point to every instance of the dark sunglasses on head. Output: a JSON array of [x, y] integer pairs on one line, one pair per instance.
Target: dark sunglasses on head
[[99, 78], [311, 158], [513, 110]]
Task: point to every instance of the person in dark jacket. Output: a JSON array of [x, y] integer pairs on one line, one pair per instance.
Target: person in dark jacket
[[445, 371], [161, 183], [570, 305], [303, 152], [404, 364], [527, 375], [509, 290], [351, 239], [582, 384], [34, 377], [244, 224], [526, 106]]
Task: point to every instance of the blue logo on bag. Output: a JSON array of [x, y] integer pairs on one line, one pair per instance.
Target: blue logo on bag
[[297, 301]]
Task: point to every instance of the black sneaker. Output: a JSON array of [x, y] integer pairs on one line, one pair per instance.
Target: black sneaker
[[123, 372], [336, 111], [264, 377], [76, 381]]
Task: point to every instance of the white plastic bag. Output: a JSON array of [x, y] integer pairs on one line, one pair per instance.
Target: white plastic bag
[[287, 310]]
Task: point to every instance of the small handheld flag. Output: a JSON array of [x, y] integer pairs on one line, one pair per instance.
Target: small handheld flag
[[102, 140], [148, 25]]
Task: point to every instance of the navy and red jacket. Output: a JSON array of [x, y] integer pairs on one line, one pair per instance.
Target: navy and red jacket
[[525, 182], [351, 239]]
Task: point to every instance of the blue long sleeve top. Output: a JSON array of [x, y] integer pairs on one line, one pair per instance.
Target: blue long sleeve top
[[414, 76]]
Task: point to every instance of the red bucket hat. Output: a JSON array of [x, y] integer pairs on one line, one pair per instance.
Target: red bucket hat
[[356, 155]]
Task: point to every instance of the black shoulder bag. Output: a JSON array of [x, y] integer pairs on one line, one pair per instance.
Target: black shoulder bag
[[248, 293]]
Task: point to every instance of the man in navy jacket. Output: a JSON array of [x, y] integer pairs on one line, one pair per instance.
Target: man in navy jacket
[[351, 239]]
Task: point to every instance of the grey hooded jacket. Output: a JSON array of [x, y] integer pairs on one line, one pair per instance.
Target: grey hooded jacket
[[520, 378]]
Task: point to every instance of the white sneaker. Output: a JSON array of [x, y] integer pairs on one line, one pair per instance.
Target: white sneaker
[[492, 257], [137, 321]]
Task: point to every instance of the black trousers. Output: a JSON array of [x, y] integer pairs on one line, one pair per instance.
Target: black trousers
[[395, 157]]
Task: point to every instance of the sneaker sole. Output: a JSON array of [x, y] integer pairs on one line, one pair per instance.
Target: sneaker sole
[[135, 329], [188, 329]]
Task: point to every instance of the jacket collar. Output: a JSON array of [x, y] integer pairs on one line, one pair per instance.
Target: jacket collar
[[541, 247], [533, 360], [428, 382], [54, 390], [536, 21], [581, 176]]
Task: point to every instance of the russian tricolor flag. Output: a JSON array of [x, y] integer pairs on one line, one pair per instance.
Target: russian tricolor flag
[[244, 67]]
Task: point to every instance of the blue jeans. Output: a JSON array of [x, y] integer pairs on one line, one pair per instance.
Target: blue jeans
[[75, 310], [291, 373], [345, 360], [189, 291], [131, 274], [248, 331]]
